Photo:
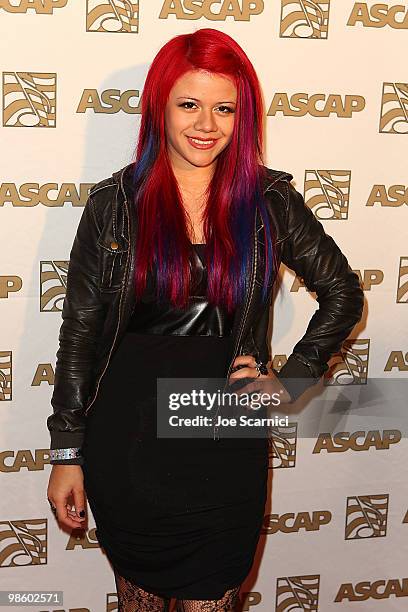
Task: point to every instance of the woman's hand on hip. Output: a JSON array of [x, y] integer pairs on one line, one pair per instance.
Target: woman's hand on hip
[[265, 383]]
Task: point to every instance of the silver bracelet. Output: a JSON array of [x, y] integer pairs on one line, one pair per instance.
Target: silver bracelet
[[65, 453]]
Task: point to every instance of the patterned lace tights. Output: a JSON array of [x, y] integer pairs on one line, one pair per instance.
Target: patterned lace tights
[[132, 598]]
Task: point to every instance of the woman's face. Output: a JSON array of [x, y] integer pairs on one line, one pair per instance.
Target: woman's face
[[199, 118]]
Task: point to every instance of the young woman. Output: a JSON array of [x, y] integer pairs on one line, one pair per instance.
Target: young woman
[[171, 275]]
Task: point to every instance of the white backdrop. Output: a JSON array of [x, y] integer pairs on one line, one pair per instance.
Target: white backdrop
[[351, 166]]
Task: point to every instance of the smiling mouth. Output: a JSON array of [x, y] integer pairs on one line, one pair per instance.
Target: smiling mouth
[[202, 143], [202, 139]]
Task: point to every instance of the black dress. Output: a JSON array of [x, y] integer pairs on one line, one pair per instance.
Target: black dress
[[178, 517]]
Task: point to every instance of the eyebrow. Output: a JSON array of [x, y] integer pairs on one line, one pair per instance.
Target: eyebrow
[[197, 100]]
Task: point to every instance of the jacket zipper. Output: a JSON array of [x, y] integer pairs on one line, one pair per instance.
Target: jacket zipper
[[117, 327], [244, 317]]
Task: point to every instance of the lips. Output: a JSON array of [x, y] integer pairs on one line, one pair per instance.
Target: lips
[[201, 143]]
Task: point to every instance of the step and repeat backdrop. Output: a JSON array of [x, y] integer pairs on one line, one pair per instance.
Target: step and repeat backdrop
[[335, 83]]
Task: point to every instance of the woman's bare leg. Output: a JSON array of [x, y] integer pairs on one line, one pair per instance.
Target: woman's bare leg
[[227, 603], [132, 598]]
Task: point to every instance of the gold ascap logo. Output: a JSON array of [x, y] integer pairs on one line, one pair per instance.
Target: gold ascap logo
[[112, 16], [214, 10], [52, 195], [278, 361], [83, 540], [282, 446], [41, 7], [397, 360], [402, 284], [393, 196], [249, 599], [291, 522], [380, 589], [394, 109], [10, 284], [23, 542], [29, 99], [357, 441], [53, 284], [43, 374], [5, 376], [327, 193], [109, 102], [350, 365], [379, 15], [366, 516], [368, 279], [15, 461], [304, 19], [297, 593], [316, 105]]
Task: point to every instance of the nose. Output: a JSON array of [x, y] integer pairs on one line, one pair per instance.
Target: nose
[[205, 121]]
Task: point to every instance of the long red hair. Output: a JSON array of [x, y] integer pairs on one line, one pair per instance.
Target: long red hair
[[235, 189]]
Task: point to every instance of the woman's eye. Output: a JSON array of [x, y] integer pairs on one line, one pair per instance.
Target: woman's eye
[[185, 104], [225, 110]]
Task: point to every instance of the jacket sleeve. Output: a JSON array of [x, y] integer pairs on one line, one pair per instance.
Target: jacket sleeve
[[317, 259], [82, 321]]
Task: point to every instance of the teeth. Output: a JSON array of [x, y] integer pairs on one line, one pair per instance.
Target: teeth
[[202, 141]]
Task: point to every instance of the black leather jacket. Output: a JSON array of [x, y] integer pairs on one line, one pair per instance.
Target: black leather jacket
[[99, 298]]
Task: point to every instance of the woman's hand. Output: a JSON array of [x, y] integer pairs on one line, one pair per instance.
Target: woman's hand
[[264, 383], [65, 491]]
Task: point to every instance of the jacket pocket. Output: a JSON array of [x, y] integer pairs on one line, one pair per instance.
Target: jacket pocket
[[112, 264]]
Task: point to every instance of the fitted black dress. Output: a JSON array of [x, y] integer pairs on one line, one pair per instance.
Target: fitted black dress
[[178, 517]]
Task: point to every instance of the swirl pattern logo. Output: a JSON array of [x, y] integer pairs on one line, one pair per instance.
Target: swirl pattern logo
[[366, 516], [304, 19], [112, 16], [23, 542], [29, 99], [394, 108], [5, 376], [327, 193], [402, 287], [282, 446], [112, 602], [297, 593], [350, 365], [53, 283]]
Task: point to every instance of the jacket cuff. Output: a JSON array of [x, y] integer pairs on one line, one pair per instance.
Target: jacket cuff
[[66, 439], [69, 443], [296, 377]]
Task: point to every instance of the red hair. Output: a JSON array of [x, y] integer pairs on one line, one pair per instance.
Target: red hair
[[235, 188]]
